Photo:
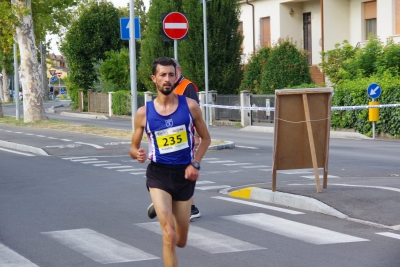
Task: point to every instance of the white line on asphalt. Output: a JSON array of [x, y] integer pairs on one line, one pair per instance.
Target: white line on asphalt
[[15, 152], [99, 247], [118, 167], [206, 240], [107, 164], [265, 170], [39, 135], [86, 159], [237, 164], [389, 234], [370, 186], [320, 176], [29, 134], [129, 170], [294, 172], [97, 161], [300, 231], [10, 258], [221, 161], [259, 205], [204, 182], [212, 187], [206, 159], [18, 132], [52, 137], [250, 147], [137, 173], [66, 140], [75, 158], [8, 131], [93, 145], [257, 166]]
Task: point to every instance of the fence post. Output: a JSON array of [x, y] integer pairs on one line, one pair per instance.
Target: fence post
[[148, 96], [202, 100], [213, 100], [80, 100], [245, 114], [89, 91], [110, 112]]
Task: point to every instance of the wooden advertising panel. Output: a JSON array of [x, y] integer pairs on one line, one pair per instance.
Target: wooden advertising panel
[[302, 126]]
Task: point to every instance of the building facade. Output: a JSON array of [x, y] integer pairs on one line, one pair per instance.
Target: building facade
[[317, 25]]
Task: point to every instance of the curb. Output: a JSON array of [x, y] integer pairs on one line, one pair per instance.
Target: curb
[[80, 115], [228, 145], [288, 200], [25, 148], [333, 134]]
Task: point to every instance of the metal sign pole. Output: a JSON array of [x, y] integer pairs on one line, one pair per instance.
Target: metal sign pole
[[16, 85], [176, 49], [206, 61], [132, 60]]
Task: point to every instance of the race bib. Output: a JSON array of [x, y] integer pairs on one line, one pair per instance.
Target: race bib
[[172, 139]]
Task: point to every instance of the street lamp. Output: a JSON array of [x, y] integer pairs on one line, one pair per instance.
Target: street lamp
[[205, 60]]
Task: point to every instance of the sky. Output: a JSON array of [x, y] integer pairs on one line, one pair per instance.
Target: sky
[[118, 3]]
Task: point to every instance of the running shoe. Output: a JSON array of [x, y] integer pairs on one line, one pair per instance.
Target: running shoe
[[151, 212], [195, 213]]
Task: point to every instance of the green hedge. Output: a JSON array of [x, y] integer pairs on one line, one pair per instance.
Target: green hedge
[[354, 93], [121, 103]]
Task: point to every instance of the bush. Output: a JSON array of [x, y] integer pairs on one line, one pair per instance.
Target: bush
[[121, 103], [286, 67], [254, 69], [354, 93]]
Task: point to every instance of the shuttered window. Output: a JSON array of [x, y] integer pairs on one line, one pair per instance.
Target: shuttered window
[[265, 32], [370, 18]]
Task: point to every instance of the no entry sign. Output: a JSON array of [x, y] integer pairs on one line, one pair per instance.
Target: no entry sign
[[175, 25]]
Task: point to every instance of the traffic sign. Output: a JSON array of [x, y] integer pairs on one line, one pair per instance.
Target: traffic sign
[[52, 72], [124, 28], [374, 90], [53, 79], [59, 74], [175, 25]]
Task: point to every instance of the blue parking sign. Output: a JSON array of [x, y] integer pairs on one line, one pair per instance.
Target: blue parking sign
[[124, 28]]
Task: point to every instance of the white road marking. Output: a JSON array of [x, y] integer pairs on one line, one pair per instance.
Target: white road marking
[[10, 258], [237, 164], [39, 135], [91, 162], [204, 182], [370, 186], [292, 229], [8, 131], [18, 132], [117, 167], [207, 240], [320, 176], [86, 159], [221, 161], [93, 145], [75, 158], [29, 134], [129, 170], [294, 171], [66, 140], [256, 166], [52, 137], [389, 234], [259, 205], [137, 173], [99, 247], [16, 152], [107, 164], [211, 187], [265, 170], [250, 147], [206, 159]]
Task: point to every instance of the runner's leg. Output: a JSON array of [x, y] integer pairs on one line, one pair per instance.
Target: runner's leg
[[181, 211]]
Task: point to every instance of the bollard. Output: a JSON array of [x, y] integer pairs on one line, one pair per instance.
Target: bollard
[[373, 116]]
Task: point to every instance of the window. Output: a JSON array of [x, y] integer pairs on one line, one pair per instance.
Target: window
[[370, 18], [265, 32]]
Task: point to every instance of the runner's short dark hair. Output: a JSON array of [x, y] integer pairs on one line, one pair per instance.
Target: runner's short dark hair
[[163, 61]]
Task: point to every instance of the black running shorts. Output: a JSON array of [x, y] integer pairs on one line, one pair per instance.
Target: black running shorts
[[170, 179]]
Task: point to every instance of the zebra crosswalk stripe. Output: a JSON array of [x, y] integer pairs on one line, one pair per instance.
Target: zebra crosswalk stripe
[[207, 240], [292, 229], [389, 234], [10, 258], [99, 247]]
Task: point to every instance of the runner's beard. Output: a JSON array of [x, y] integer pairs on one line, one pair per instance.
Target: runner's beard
[[166, 89]]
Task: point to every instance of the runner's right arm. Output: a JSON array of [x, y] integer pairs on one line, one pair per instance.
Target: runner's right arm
[[139, 123]]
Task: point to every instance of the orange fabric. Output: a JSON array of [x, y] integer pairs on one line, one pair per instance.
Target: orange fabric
[[180, 89]]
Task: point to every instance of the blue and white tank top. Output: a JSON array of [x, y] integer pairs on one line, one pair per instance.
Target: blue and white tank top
[[171, 139]]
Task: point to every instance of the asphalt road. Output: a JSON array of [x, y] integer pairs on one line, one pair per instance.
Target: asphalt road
[[86, 206]]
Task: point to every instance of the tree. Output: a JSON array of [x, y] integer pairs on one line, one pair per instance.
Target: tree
[[224, 41], [94, 32], [287, 67]]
